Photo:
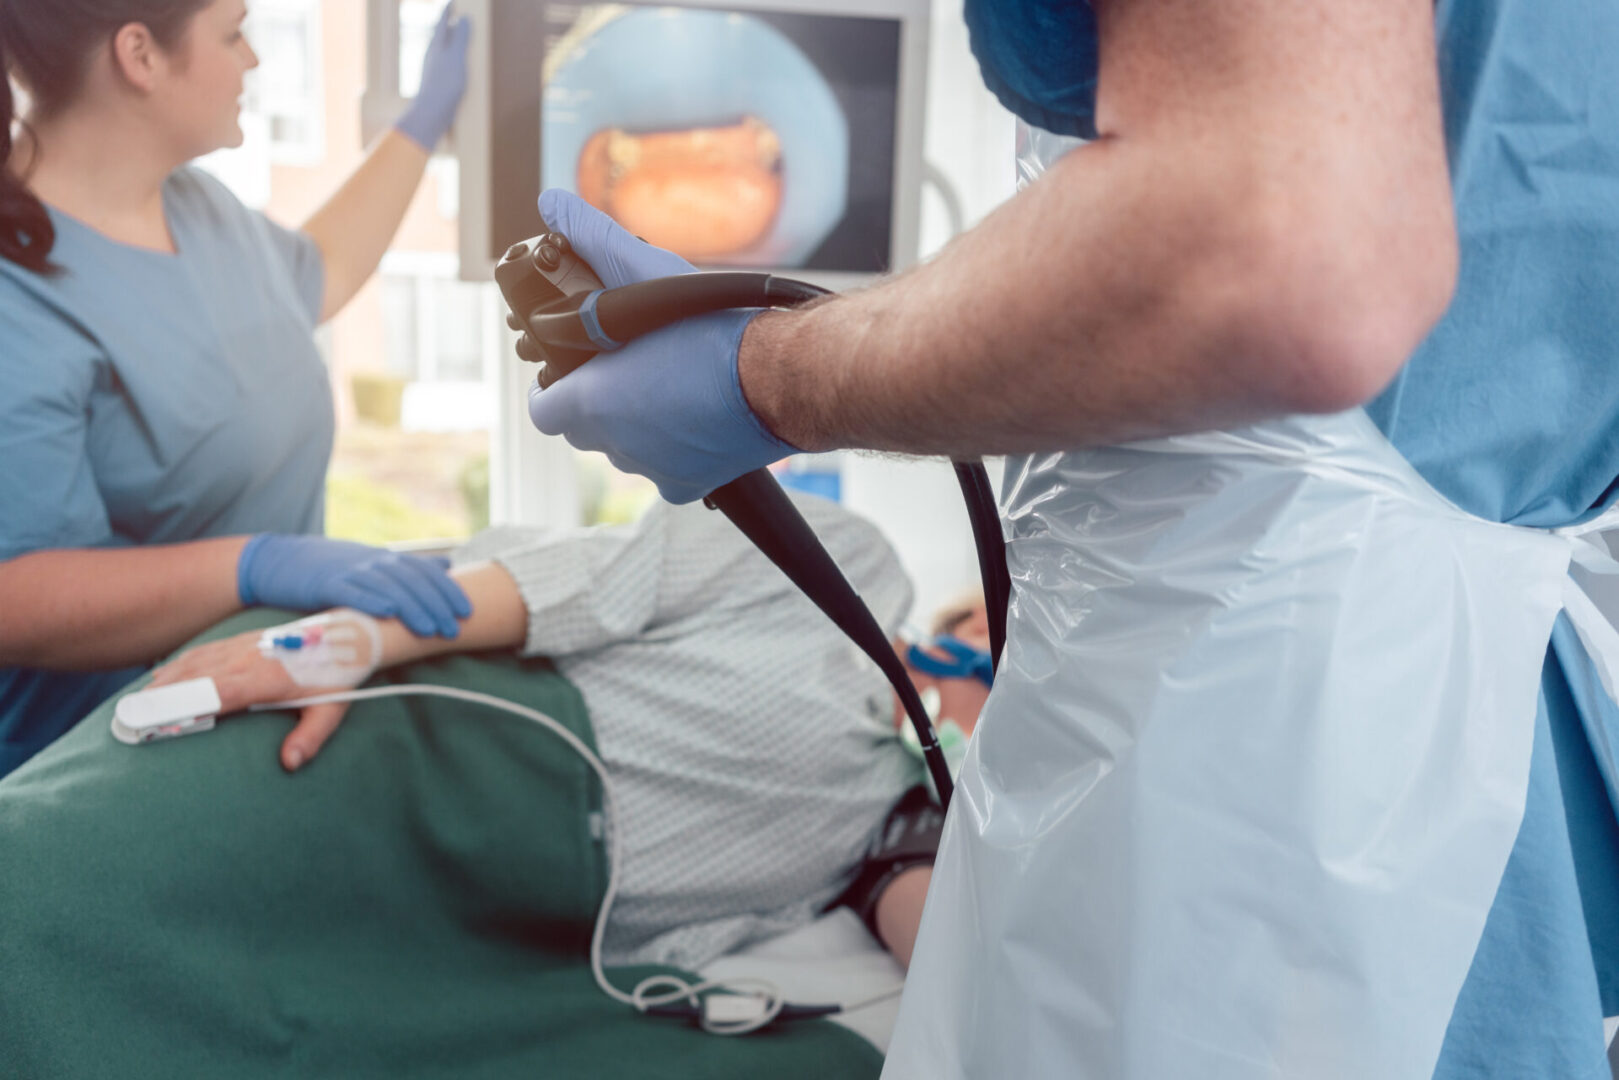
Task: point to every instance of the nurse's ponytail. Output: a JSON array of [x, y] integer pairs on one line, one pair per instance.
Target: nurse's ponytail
[[26, 233]]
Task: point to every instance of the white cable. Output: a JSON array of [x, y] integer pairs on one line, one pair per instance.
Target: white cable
[[642, 997], [874, 999]]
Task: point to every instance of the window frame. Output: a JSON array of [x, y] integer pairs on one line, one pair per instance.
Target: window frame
[[310, 107]]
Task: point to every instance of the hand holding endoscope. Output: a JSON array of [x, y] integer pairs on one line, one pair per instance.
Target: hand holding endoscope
[[669, 403], [544, 279]]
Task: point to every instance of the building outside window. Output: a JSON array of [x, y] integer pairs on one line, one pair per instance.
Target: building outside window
[[436, 327], [287, 88], [417, 20]]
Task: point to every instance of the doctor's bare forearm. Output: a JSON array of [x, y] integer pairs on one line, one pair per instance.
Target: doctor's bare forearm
[[1265, 226], [356, 225], [90, 608]]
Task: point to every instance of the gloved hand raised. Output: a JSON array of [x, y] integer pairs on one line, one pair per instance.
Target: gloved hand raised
[[669, 405], [312, 573], [444, 81]]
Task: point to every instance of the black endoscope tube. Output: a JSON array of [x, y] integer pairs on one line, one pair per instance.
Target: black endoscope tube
[[991, 542], [625, 313], [758, 506], [629, 311], [755, 502]]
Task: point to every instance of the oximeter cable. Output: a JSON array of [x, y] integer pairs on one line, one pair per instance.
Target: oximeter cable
[[743, 1003]]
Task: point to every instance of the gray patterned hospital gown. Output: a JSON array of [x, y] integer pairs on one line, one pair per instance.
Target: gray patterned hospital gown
[[751, 745]]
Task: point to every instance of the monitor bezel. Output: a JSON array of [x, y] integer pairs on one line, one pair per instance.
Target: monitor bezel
[[474, 125]]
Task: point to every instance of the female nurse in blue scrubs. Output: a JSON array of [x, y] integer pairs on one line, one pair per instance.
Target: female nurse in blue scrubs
[[165, 419]]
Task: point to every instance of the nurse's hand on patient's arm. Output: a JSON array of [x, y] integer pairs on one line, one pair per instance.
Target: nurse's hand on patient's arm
[[311, 573], [245, 677]]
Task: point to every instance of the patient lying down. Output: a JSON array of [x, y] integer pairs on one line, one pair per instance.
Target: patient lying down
[[752, 748]]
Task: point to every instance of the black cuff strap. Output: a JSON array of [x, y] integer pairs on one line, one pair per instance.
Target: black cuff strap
[[909, 838]]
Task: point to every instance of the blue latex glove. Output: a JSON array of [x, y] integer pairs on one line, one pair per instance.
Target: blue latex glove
[[312, 573], [669, 405], [444, 81]]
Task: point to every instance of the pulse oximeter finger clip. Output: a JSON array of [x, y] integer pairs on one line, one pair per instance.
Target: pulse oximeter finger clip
[[166, 712]]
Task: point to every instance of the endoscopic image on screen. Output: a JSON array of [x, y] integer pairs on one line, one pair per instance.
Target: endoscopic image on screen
[[735, 138]]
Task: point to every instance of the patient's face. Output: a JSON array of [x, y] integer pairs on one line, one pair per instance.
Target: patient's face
[[974, 627], [960, 699]]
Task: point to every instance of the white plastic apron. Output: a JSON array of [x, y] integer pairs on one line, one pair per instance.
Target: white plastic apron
[[1253, 766]]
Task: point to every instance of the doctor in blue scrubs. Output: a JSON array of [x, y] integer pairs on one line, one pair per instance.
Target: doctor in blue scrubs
[[1284, 208], [165, 419]]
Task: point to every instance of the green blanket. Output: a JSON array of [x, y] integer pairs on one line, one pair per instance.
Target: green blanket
[[415, 903]]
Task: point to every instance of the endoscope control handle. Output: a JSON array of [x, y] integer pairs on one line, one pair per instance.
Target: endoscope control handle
[[551, 291], [536, 277]]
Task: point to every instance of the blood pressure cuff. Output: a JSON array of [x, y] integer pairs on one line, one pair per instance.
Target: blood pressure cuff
[[416, 902], [909, 838]]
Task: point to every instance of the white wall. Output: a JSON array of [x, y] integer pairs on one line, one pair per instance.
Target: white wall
[[969, 138], [919, 507]]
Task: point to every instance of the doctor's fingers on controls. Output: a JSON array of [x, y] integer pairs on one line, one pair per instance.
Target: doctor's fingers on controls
[[668, 406], [617, 257]]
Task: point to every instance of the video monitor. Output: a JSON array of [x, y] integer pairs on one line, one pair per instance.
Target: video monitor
[[770, 135]]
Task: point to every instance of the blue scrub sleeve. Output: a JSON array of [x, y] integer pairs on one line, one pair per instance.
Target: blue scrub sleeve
[[304, 262], [48, 494], [296, 251]]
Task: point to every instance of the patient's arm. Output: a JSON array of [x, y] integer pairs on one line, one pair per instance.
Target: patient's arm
[[244, 677], [899, 911]]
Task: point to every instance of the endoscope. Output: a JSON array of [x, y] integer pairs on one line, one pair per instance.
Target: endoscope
[[566, 316]]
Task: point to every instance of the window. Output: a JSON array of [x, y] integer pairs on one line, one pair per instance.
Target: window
[[436, 328], [286, 89], [417, 20], [412, 460]]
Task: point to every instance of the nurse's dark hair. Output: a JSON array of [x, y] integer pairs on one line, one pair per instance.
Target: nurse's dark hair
[[47, 45]]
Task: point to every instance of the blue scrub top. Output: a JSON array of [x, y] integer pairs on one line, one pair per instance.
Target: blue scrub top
[[1511, 409], [149, 398]]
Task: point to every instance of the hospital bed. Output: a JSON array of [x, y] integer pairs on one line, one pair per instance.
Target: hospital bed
[[417, 905]]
